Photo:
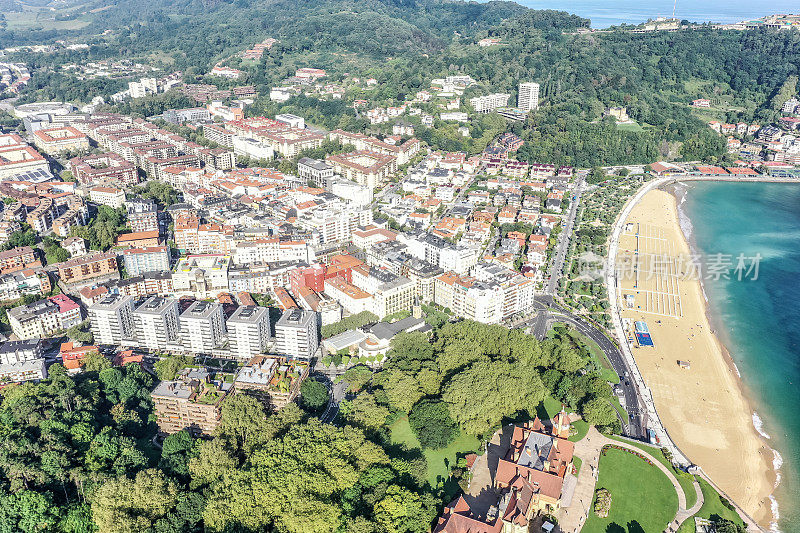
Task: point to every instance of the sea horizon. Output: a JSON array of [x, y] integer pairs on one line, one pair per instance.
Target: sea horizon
[[605, 14], [755, 320]]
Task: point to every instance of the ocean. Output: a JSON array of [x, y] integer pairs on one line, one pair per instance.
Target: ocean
[[758, 319], [615, 12]]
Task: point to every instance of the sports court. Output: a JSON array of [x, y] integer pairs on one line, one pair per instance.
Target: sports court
[[649, 270]]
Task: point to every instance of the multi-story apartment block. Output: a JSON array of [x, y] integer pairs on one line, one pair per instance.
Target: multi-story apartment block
[[18, 259], [370, 169], [390, 293], [335, 225], [297, 334], [40, 319], [148, 284], [248, 332], [195, 238], [142, 215], [104, 168], [470, 298], [111, 319], [201, 276], [16, 157], [202, 327], [316, 171], [489, 102], [273, 380], [110, 196], [528, 97], [192, 402], [156, 323], [55, 141], [22, 361], [150, 259], [28, 281], [272, 250], [87, 267]]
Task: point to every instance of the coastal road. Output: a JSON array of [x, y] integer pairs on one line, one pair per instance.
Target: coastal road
[[549, 312]]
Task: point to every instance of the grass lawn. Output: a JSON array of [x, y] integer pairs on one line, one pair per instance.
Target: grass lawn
[[630, 127], [712, 505], [550, 407], [641, 495], [577, 462], [606, 370], [439, 461], [621, 410], [684, 479]]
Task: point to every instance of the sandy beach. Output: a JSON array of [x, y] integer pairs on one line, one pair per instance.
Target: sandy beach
[[703, 406]]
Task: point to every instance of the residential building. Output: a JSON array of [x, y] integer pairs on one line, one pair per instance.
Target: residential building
[[149, 259], [18, 258], [74, 245], [528, 96], [297, 334], [73, 357], [201, 276], [489, 102], [248, 332], [370, 169], [104, 168], [42, 318], [110, 196], [16, 156], [156, 323], [142, 215], [192, 402], [202, 327], [273, 380], [390, 292], [54, 141], [88, 267], [319, 172], [111, 319], [15, 285], [22, 361]]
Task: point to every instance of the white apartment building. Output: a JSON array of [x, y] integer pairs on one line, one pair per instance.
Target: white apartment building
[[390, 293], [335, 225], [352, 193], [248, 332], [528, 97], [202, 327], [315, 170], [111, 319], [271, 250], [156, 323], [150, 259], [42, 318], [22, 361], [470, 298], [297, 334], [109, 196], [489, 102]]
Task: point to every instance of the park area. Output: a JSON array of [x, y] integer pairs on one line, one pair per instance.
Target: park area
[[642, 497], [439, 461]]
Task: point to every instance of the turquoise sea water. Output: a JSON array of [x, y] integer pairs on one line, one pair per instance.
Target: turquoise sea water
[[615, 12], [759, 320]]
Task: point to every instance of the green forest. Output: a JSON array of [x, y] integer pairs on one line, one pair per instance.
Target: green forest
[[405, 43], [78, 455]]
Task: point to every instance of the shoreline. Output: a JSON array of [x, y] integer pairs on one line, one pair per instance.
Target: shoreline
[[710, 419], [680, 190]]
